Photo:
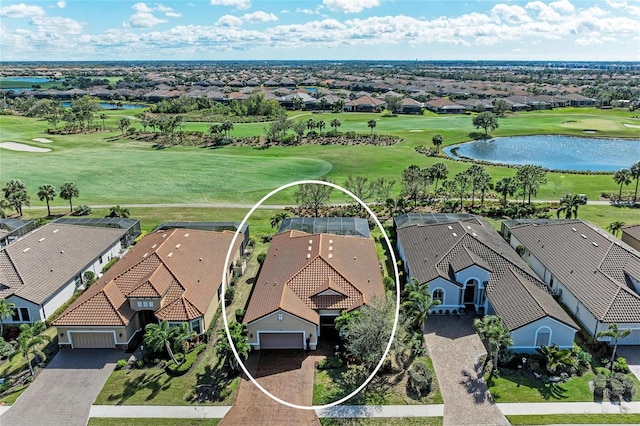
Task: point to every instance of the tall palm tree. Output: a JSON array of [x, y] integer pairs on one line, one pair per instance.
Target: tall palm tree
[[569, 206], [506, 186], [311, 124], [15, 192], [277, 219], [30, 336], [439, 171], [227, 126], [159, 336], [622, 177], [223, 349], [321, 125], [635, 173], [616, 334], [437, 140], [117, 211], [47, 193], [417, 302], [182, 336], [372, 125], [6, 310], [68, 191], [335, 123], [103, 117], [615, 226], [492, 330]]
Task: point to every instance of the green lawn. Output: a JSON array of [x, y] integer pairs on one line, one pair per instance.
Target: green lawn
[[110, 169], [575, 419], [104, 421], [17, 362], [392, 421]]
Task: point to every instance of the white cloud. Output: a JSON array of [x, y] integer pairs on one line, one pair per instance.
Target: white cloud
[[229, 21], [305, 11], [21, 10], [563, 6], [259, 16], [238, 4], [56, 25], [350, 6], [511, 14], [144, 17], [588, 41], [61, 4]]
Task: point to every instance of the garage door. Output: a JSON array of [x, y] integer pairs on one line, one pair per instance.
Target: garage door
[[92, 340], [632, 339], [281, 341]]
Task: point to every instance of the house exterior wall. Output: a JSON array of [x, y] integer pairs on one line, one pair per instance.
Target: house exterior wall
[[34, 310], [123, 334], [451, 295], [289, 323], [152, 303], [55, 301], [524, 338], [472, 272], [630, 240]]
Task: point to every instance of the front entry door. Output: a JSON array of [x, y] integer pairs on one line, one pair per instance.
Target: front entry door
[[469, 294]]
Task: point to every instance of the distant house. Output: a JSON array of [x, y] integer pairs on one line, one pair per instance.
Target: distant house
[[365, 103], [445, 106], [305, 282], [596, 276], [577, 100], [411, 106], [170, 275], [42, 270], [631, 236], [13, 229], [470, 268], [477, 105]]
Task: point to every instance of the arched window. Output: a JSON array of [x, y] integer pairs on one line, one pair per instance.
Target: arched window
[[438, 295], [543, 336]]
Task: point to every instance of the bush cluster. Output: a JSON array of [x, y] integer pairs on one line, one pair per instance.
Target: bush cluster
[[329, 363], [186, 361]]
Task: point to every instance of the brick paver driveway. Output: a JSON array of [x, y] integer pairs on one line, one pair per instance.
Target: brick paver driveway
[[285, 374], [63, 392], [632, 355], [454, 348]]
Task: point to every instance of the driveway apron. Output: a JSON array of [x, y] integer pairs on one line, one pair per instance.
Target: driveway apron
[[455, 348], [285, 374], [63, 392], [632, 355]]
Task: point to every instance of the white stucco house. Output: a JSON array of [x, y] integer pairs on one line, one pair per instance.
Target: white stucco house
[[470, 269], [595, 275]]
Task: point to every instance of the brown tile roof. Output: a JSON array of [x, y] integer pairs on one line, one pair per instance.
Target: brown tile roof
[[36, 266], [299, 267], [591, 264], [182, 266], [366, 100], [517, 295]]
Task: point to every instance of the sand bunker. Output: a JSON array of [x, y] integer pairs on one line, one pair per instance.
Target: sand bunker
[[43, 140], [635, 126], [15, 146], [415, 131]]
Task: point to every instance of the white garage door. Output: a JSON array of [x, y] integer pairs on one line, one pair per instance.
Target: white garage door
[[92, 340], [281, 341], [632, 339]]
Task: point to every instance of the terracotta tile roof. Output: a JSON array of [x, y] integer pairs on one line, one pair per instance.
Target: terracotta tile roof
[[182, 266], [590, 263], [517, 295], [300, 266], [36, 266]]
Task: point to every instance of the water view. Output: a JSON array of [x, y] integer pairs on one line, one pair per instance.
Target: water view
[[105, 105], [553, 152]]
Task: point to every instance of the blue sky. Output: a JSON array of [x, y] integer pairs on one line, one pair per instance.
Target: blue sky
[[320, 29]]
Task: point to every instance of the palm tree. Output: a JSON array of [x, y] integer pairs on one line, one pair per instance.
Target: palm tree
[[159, 336], [117, 211], [47, 193], [557, 359], [311, 124], [616, 334], [417, 302], [103, 117], [124, 124], [569, 205], [614, 227], [437, 140], [15, 192], [68, 191], [335, 123], [29, 337], [492, 330], [372, 125], [277, 219], [6, 310], [506, 186], [635, 173], [223, 349], [622, 177], [321, 125], [182, 336], [438, 171], [227, 126]]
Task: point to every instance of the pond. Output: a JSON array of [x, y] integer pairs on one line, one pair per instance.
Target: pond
[[553, 152], [33, 80], [104, 105]]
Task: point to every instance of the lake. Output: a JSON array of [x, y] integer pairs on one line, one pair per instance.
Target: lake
[[553, 152], [104, 105]]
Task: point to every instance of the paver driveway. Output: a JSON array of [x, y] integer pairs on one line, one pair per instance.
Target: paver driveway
[[454, 348], [63, 392], [632, 355], [285, 374]]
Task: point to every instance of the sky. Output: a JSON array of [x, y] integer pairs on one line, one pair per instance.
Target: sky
[[553, 30]]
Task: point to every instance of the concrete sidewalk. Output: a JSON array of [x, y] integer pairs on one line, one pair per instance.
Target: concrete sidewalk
[[365, 411], [534, 408], [158, 411]]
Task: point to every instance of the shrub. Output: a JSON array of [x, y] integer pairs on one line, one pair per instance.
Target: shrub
[[420, 378], [620, 365], [139, 363], [239, 314], [600, 384], [122, 363], [616, 387], [189, 359], [261, 257], [228, 295], [329, 363], [584, 359], [389, 283], [82, 211], [109, 264]]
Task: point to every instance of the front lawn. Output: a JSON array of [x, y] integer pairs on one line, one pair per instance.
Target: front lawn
[[103, 421], [392, 421], [575, 419], [516, 387]]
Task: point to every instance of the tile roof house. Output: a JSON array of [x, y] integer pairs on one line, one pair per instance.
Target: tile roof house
[[468, 266], [631, 235], [445, 106], [169, 275], [41, 271], [365, 103], [306, 281], [596, 276]]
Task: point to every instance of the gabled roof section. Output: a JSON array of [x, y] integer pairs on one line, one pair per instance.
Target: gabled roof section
[[106, 307], [179, 310], [589, 262], [466, 258], [331, 287]]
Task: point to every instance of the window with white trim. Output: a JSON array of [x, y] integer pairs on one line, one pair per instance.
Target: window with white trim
[[543, 337], [195, 326], [438, 295]]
